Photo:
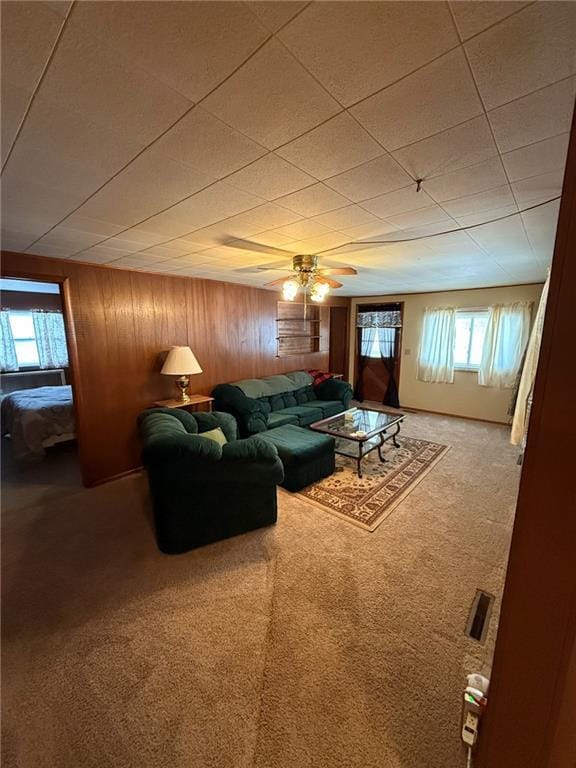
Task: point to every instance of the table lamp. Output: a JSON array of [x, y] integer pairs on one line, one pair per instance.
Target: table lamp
[[181, 362]]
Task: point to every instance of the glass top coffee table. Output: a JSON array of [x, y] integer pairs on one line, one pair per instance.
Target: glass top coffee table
[[359, 431]]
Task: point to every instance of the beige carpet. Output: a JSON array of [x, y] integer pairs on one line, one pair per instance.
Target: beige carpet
[[368, 500], [307, 644]]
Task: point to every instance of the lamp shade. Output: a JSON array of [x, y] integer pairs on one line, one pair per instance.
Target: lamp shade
[[180, 361]]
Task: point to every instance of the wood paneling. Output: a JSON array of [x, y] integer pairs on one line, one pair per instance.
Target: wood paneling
[[531, 718], [338, 339], [120, 321]]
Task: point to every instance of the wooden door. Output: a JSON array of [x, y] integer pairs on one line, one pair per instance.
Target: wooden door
[[339, 340]]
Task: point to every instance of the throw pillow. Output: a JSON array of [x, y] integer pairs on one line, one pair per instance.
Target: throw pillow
[[215, 434]]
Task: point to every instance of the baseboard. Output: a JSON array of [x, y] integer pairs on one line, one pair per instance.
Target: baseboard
[[119, 476], [455, 415]]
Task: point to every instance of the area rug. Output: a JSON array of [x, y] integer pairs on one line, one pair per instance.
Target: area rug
[[369, 500]]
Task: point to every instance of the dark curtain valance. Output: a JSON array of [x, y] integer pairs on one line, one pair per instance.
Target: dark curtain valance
[[386, 319]]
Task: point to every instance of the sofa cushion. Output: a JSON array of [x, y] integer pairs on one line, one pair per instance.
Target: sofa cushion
[[278, 418], [277, 402], [305, 414], [328, 407], [265, 402], [289, 400]]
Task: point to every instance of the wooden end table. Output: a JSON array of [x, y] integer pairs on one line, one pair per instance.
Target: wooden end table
[[193, 402]]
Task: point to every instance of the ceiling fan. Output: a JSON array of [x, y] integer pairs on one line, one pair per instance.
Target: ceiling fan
[[308, 275]]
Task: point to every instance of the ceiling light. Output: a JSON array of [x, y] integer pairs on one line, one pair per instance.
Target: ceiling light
[[289, 290], [319, 291]]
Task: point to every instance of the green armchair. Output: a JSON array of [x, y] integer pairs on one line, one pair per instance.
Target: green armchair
[[203, 491]]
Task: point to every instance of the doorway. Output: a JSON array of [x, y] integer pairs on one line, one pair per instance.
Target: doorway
[[378, 350], [39, 449], [338, 358]]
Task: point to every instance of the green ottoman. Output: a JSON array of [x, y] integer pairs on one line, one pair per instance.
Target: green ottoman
[[307, 456]]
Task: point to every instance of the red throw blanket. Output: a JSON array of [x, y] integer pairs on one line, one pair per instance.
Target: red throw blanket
[[319, 377]]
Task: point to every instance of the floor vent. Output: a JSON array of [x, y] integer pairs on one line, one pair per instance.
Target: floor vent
[[479, 619]]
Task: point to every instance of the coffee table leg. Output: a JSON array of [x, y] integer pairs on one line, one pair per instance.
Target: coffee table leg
[[382, 441], [394, 441], [359, 460]]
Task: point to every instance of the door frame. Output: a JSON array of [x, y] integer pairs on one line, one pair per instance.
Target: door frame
[[531, 711], [354, 319], [71, 342]]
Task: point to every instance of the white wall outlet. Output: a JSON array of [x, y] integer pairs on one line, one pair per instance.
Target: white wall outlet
[[470, 728]]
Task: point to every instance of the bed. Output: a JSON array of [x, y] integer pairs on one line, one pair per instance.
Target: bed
[[38, 418]]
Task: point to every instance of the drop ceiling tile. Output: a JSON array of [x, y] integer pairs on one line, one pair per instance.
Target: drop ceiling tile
[[95, 226], [206, 207], [468, 181], [370, 231], [459, 147], [272, 99], [191, 47], [274, 14], [474, 17], [538, 189], [135, 236], [105, 89], [270, 177], [332, 148], [205, 143], [31, 207], [437, 97], [69, 239], [60, 7], [423, 216], [542, 53], [313, 200], [41, 249], [399, 201], [484, 215], [483, 201], [540, 227], [320, 244], [540, 115], [304, 229], [355, 49], [352, 216], [503, 239], [148, 185], [14, 103], [376, 177], [535, 159], [29, 31], [269, 216], [273, 239]]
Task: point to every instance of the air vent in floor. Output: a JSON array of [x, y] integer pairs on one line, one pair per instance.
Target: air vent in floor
[[479, 618]]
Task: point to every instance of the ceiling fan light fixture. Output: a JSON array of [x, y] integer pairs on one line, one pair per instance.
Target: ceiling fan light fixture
[[289, 290], [319, 290]]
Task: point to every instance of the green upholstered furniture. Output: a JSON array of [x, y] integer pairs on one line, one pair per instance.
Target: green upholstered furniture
[[307, 456], [262, 404], [203, 491]]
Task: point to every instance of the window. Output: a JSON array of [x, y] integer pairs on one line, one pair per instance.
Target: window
[[470, 331], [24, 339]]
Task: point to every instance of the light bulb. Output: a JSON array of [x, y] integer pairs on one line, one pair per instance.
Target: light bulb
[[319, 291], [289, 290]]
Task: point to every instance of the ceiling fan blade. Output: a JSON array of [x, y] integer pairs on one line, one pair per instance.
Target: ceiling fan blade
[[277, 282], [331, 283], [337, 271], [275, 266], [248, 245]]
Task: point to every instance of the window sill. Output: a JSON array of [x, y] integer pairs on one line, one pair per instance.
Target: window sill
[[458, 369]]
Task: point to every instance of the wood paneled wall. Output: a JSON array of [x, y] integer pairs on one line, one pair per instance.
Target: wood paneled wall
[[123, 320]]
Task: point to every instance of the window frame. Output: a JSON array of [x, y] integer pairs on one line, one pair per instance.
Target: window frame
[[473, 313]]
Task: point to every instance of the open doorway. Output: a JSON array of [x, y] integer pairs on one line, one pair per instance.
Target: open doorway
[[39, 447]]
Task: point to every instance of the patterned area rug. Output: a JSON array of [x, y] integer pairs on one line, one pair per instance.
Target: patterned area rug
[[368, 501]]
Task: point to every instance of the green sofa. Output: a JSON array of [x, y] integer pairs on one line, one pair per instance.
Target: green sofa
[[203, 491], [263, 404]]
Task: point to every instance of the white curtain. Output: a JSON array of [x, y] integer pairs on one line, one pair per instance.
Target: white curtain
[[436, 356], [504, 344], [50, 339], [8, 359], [520, 420], [368, 339]]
